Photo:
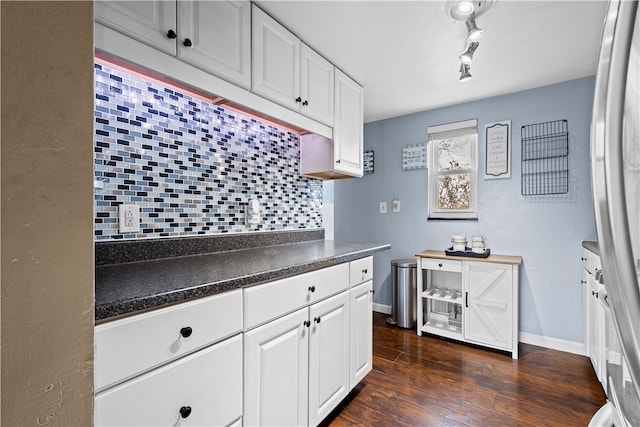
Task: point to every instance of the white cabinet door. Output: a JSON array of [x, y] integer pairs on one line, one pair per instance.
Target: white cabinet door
[[276, 61], [488, 304], [328, 355], [216, 36], [204, 388], [317, 82], [147, 21], [348, 125], [595, 330], [276, 372], [361, 307]]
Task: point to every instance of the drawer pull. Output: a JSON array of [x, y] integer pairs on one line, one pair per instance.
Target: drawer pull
[[312, 289], [186, 333], [185, 411], [306, 323], [440, 265], [372, 291], [364, 271], [317, 319]]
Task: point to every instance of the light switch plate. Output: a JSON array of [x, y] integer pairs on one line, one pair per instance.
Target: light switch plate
[[129, 218], [383, 207], [395, 205]]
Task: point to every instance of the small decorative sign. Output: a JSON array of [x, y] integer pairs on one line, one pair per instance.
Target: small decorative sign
[[368, 162], [414, 156], [498, 150]]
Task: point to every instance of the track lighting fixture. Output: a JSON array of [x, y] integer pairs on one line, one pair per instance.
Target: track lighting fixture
[[467, 56], [465, 73], [473, 32]]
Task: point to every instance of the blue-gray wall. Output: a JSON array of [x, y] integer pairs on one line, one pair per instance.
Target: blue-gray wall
[[546, 231]]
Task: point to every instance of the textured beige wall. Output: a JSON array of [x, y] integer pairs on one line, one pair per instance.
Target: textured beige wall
[[47, 298]]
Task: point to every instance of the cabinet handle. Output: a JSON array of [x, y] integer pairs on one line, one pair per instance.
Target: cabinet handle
[[338, 161], [440, 265], [594, 293], [583, 259], [372, 291], [312, 288], [364, 271], [187, 43], [584, 282], [185, 411], [171, 34], [306, 323], [305, 103], [186, 331], [298, 99], [466, 299], [317, 319]]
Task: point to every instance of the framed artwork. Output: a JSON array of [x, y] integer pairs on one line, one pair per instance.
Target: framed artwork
[[414, 157], [497, 140], [453, 171], [368, 162]]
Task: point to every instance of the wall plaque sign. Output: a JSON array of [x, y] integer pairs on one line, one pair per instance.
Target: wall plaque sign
[[497, 139], [414, 156]]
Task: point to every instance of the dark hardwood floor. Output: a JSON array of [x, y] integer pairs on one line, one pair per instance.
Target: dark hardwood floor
[[428, 381]]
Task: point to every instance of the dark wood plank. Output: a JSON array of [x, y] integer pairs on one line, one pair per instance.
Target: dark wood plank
[[430, 381]]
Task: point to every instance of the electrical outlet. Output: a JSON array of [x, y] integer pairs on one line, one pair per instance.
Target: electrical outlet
[[129, 218], [383, 207], [395, 205]]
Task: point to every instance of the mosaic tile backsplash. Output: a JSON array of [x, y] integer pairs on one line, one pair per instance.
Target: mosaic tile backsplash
[[190, 165]]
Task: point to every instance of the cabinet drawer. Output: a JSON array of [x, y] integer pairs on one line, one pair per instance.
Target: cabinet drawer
[[360, 271], [209, 382], [441, 265], [265, 302], [127, 347]]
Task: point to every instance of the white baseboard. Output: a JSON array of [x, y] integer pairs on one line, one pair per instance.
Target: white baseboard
[[553, 343], [380, 308]]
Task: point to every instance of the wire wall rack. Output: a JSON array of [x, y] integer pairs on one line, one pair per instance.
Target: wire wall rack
[[545, 158]]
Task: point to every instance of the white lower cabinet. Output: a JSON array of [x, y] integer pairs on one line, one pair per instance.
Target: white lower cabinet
[[594, 314], [361, 332], [204, 388], [297, 366]]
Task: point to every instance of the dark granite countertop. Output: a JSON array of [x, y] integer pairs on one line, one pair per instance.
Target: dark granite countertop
[[591, 246], [127, 288]]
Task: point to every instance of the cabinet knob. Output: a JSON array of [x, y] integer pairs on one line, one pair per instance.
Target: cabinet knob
[[594, 293], [185, 411], [312, 288], [305, 103], [171, 34], [584, 282], [306, 323], [317, 319], [298, 99], [338, 161], [583, 259], [364, 271], [372, 291], [186, 331], [187, 43], [440, 265]]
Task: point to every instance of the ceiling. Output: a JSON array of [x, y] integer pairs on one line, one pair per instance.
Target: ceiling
[[405, 53]]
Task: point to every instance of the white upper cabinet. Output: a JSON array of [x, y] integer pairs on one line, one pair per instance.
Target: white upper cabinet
[[211, 35], [151, 22], [348, 125], [288, 72], [215, 36]]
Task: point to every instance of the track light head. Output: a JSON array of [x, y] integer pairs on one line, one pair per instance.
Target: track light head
[[473, 32], [467, 56], [465, 73]]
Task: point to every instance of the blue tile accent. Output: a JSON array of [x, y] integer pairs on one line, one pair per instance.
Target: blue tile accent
[[192, 166]]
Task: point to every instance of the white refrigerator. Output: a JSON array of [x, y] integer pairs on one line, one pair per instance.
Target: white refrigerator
[[615, 156]]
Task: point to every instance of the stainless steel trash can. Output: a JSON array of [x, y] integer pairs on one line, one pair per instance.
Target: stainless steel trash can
[[403, 283]]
